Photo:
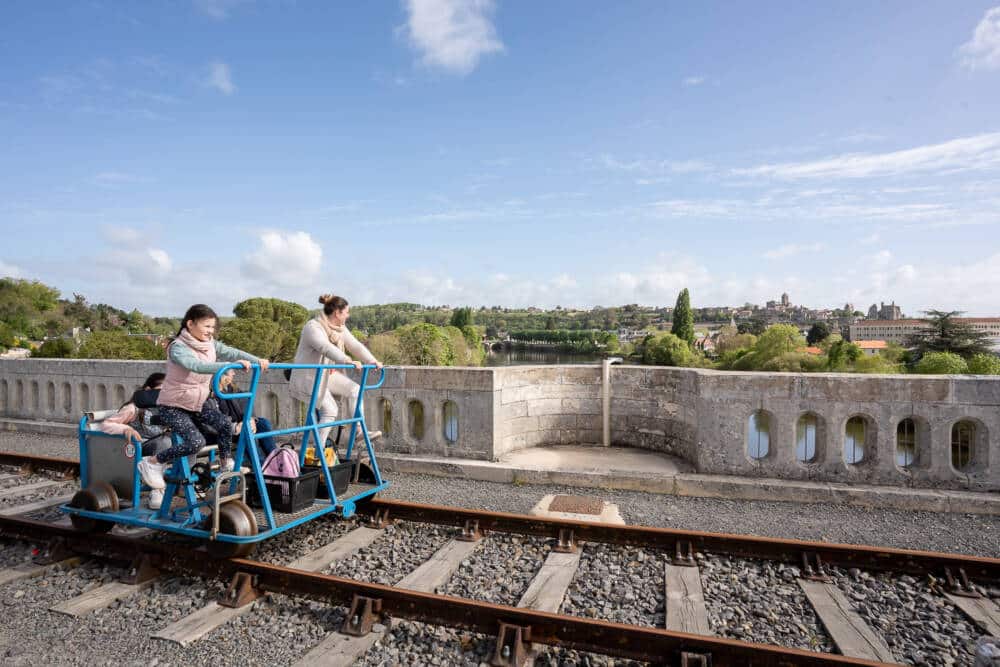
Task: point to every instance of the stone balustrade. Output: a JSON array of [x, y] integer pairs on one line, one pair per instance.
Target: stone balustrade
[[904, 430]]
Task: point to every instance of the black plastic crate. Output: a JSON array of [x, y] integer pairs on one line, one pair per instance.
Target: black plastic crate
[[341, 474], [287, 494]]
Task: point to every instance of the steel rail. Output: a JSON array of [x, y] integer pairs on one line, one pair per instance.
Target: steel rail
[[636, 642], [981, 570]]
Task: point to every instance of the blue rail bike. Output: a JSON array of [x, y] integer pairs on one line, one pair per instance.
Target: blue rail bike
[[202, 502]]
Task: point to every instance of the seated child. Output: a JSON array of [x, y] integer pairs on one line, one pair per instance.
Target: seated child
[[184, 402]]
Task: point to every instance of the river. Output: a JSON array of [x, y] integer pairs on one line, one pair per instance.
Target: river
[[527, 357]]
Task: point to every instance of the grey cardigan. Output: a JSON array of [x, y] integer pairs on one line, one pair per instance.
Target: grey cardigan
[[316, 348]]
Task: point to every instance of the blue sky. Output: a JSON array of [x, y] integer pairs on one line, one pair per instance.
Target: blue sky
[[157, 154]]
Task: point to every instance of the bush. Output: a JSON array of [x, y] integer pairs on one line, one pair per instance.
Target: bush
[[57, 348], [876, 363], [984, 364], [667, 350], [794, 362], [941, 363], [386, 348], [118, 345], [425, 345]]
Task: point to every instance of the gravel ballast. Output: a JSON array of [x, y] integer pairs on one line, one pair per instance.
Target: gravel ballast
[[280, 630]]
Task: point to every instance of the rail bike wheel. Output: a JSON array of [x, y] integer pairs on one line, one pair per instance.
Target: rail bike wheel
[[235, 518], [98, 497]]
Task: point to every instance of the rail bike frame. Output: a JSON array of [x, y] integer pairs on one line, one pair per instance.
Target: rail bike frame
[[189, 517]]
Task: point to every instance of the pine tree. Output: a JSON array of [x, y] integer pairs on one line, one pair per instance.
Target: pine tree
[[944, 333], [683, 326]]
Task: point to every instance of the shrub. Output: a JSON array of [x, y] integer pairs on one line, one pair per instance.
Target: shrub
[[667, 350], [56, 348], [941, 363], [984, 364]]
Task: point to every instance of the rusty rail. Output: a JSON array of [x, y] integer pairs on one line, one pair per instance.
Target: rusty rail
[[640, 643], [946, 566], [904, 561]]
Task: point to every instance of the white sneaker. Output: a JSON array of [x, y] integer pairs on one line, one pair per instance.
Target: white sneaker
[[151, 472], [155, 499], [227, 465]]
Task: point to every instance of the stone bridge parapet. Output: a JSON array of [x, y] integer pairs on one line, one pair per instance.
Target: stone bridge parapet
[[903, 430]]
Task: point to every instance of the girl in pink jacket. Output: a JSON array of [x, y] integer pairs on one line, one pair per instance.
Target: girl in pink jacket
[[184, 402]]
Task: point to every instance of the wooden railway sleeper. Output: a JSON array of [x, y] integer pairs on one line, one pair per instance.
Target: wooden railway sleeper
[[513, 645], [470, 532], [365, 612], [813, 568], [684, 554], [242, 590], [567, 542]]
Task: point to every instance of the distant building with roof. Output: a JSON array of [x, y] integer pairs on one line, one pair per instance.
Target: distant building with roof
[[898, 331]]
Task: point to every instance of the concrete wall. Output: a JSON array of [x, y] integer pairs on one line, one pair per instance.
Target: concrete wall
[[698, 415]]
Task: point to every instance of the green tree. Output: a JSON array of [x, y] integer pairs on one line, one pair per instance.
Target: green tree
[[260, 337], [667, 350], [55, 348], [425, 345], [7, 338], [683, 321], [777, 340], [793, 362], [386, 348], [842, 354], [118, 345], [277, 323], [876, 363], [944, 333], [755, 326], [818, 332], [984, 364], [461, 318], [941, 363]]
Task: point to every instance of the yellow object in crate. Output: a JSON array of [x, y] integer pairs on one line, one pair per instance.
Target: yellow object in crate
[[312, 459]]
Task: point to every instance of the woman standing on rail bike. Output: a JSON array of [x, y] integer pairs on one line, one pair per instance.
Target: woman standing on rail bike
[[184, 401], [326, 339]]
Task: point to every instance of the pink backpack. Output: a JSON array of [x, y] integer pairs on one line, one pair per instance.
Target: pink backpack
[[282, 462]]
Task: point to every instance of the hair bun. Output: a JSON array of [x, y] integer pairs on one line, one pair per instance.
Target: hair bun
[[326, 298]]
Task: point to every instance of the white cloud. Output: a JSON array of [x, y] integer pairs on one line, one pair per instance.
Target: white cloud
[[791, 249], [693, 80], [978, 152], [220, 77], [452, 34], [130, 250], [291, 259], [871, 239], [9, 270], [218, 9], [983, 50]]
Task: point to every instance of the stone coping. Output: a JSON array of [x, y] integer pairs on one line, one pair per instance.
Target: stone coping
[[704, 486]]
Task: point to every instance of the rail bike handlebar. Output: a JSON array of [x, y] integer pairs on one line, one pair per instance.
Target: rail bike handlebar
[[255, 370]]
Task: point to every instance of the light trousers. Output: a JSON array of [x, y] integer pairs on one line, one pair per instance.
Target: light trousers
[[337, 385]]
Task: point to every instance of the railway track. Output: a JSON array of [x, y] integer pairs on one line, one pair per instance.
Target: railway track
[[968, 582]]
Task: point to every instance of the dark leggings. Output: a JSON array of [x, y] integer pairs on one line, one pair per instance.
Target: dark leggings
[[185, 424]]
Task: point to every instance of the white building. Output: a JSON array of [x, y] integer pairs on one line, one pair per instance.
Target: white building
[[897, 331]]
